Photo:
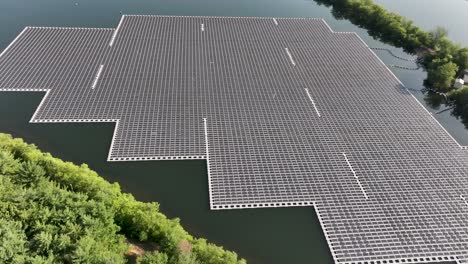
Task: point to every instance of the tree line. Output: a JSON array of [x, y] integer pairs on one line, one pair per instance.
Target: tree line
[[53, 211], [442, 59]]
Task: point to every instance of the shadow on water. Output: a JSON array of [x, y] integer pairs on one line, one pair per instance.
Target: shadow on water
[[279, 235]]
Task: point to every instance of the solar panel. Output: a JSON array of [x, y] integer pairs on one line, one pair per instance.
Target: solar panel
[[285, 111]]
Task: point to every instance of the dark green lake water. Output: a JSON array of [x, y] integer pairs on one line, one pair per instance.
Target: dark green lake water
[[263, 236]]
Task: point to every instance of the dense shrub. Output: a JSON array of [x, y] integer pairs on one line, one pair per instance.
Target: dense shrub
[[53, 211], [153, 258], [43, 223]]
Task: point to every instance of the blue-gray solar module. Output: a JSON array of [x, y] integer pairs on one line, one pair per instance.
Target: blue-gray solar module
[[285, 111]]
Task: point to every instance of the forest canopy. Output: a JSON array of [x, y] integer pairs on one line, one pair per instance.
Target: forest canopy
[[53, 211]]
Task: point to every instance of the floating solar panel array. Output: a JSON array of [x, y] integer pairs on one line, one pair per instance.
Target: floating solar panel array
[[285, 111]]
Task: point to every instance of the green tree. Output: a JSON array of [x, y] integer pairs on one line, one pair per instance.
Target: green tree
[[437, 36], [442, 74], [461, 58]]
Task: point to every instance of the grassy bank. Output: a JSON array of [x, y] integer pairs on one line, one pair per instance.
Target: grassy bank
[[53, 211]]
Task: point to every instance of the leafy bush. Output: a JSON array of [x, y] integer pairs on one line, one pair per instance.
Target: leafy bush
[[53, 211]]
